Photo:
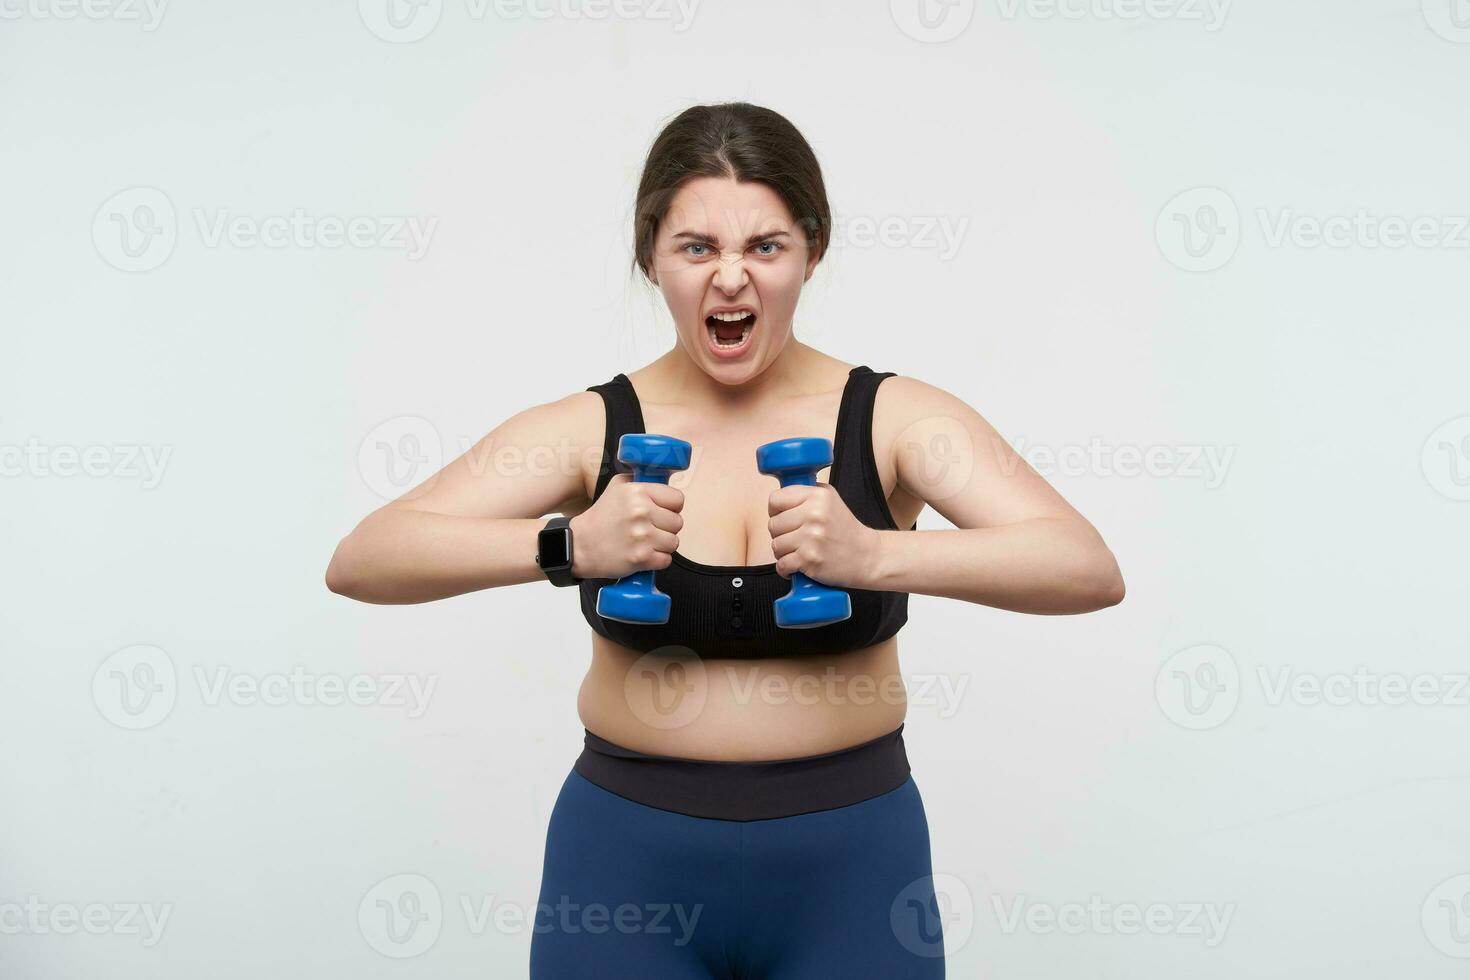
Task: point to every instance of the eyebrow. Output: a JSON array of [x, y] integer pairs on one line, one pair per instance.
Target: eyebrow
[[704, 237]]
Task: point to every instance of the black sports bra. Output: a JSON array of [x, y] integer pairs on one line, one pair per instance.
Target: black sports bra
[[725, 610]]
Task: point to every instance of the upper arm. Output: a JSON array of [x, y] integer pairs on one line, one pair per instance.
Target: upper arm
[[947, 455], [532, 464]]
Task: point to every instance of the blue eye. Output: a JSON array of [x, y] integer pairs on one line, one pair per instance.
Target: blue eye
[[774, 246]]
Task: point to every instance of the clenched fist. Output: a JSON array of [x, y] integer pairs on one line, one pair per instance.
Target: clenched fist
[[632, 526]]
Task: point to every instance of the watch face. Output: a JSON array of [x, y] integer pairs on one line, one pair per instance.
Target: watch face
[[552, 545]]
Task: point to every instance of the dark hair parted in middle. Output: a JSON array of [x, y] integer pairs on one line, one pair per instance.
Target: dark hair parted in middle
[[738, 140]]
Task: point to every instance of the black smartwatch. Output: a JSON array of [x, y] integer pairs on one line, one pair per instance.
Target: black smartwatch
[[554, 551]]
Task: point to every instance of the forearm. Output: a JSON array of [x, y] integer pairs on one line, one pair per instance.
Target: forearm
[[1046, 565], [407, 556]]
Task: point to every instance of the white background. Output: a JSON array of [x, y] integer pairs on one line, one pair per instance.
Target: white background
[[1144, 754]]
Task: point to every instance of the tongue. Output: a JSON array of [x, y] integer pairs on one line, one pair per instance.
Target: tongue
[[730, 330]]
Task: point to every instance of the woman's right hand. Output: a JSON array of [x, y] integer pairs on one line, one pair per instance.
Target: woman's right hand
[[632, 526]]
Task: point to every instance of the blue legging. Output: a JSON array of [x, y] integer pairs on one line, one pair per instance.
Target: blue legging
[[632, 892]]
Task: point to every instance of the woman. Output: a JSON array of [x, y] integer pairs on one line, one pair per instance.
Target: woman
[[743, 805]]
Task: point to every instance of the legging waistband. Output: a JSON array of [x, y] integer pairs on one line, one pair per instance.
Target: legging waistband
[[747, 790]]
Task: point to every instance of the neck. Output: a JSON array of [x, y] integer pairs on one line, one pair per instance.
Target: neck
[[791, 373]]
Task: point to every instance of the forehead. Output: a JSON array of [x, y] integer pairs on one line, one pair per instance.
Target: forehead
[[729, 209]]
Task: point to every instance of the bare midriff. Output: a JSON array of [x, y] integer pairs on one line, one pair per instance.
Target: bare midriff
[[741, 710]]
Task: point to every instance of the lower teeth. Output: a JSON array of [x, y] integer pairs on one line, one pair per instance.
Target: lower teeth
[[722, 342]]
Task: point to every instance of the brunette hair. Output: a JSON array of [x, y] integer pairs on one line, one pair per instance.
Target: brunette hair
[[738, 140]]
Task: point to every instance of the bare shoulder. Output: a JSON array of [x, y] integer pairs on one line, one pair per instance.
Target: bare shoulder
[[565, 436], [910, 418], [574, 420], [908, 407], [928, 443], [577, 422]]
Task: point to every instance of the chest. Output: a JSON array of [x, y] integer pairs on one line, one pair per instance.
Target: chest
[[726, 499], [726, 512]]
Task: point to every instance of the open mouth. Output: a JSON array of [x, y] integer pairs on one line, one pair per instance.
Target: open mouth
[[729, 332]]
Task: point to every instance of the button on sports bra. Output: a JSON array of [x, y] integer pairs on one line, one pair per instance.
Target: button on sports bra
[[725, 611]]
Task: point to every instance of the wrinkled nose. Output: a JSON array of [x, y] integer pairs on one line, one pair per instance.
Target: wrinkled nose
[[730, 272]]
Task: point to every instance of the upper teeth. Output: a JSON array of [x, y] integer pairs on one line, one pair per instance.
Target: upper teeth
[[731, 317]]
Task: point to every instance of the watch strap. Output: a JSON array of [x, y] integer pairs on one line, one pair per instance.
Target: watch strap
[[559, 575]]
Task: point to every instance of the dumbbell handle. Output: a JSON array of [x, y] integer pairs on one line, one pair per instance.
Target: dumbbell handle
[[807, 593], [635, 598]]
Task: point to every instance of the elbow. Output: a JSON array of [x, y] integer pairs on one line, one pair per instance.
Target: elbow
[[339, 577], [1108, 589], [1093, 579], [337, 582]]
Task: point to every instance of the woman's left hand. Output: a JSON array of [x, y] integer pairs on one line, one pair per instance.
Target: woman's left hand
[[814, 532]]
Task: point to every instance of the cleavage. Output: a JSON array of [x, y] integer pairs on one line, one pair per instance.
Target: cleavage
[[726, 520]]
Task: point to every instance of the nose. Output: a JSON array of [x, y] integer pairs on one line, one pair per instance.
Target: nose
[[730, 275]]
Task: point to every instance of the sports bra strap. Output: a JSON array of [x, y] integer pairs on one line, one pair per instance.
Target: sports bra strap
[[623, 415], [856, 475]]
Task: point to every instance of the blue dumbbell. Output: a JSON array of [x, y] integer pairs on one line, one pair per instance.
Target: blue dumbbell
[[634, 598], [809, 603]]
